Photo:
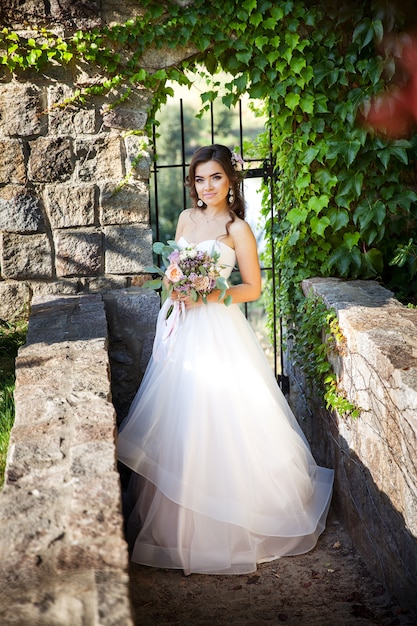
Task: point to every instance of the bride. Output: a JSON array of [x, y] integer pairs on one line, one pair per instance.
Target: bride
[[223, 477]]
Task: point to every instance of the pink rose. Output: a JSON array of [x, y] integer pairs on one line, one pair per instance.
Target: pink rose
[[174, 273], [201, 283]]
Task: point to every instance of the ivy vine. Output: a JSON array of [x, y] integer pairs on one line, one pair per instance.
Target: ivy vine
[[318, 337], [345, 197]]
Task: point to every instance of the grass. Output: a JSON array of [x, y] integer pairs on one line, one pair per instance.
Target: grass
[[12, 335]]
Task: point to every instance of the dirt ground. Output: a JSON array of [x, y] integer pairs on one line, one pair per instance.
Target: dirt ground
[[329, 586]]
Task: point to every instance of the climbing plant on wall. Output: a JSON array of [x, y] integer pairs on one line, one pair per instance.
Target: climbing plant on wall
[[345, 197]]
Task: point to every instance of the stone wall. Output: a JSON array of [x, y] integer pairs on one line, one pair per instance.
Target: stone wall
[[64, 226], [74, 193], [63, 558], [74, 199], [374, 456]]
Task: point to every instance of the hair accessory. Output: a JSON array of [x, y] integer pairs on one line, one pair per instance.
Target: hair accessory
[[200, 202], [237, 162]]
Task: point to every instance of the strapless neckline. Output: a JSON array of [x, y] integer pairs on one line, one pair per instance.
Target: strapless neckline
[[205, 241]]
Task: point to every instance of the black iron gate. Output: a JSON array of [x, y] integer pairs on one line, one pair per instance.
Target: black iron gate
[[255, 169]]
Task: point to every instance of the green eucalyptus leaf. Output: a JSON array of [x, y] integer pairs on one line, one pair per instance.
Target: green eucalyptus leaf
[[153, 284], [221, 283]]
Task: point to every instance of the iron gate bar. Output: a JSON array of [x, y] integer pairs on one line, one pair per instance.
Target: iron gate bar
[[184, 173]]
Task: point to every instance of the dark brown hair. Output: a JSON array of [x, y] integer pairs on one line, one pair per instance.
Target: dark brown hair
[[222, 155]]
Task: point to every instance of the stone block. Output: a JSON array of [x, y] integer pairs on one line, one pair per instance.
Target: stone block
[[74, 324], [105, 283], [99, 516], [21, 107], [14, 299], [20, 210], [78, 252], [25, 256], [70, 205], [100, 158], [138, 162], [37, 446], [157, 58], [128, 249], [72, 119], [101, 553], [89, 459], [125, 205], [24, 9], [76, 12], [37, 517], [51, 159], [113, 609], [12, 163], [33, 405], [131, 317], [124, 119], [116, 11], [66, 286]]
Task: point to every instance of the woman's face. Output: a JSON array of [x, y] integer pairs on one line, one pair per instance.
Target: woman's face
[[212, 184]]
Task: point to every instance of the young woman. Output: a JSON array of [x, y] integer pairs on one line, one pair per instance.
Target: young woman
[[223, 477]]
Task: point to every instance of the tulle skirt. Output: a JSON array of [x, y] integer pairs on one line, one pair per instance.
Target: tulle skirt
[[223, 475]]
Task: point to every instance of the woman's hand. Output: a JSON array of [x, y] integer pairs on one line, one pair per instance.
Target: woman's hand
[[188, 302]]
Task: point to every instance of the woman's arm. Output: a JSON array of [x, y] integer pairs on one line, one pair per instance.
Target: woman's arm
[[247, 258]]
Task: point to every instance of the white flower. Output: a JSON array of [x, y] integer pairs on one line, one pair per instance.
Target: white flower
[[237, 162]]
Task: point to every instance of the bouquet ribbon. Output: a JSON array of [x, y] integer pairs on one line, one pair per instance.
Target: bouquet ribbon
[[164, 344]]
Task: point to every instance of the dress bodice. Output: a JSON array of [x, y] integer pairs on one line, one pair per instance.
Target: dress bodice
[[227, 257]]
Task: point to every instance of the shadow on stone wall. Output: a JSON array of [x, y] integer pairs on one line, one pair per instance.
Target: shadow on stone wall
[[378, 530], [373, 456]]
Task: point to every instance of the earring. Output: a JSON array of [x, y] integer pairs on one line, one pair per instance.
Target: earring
[[200, 202], [231, 198]]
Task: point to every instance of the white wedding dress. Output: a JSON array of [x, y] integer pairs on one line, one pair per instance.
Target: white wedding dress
[[223, 475]]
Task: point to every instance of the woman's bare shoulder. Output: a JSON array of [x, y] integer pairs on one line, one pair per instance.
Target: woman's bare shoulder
[[184, 219], [185, 215], [240, 228]]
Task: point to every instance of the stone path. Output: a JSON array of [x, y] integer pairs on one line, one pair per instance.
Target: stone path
[[330, 586]]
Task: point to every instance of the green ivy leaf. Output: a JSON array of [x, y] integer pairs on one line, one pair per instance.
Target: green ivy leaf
[[297, 215], [255, 19], [261, 42], [349, 149], [297, 64], [399, 152], [303, 180], [292, 100], [351, 239], [249, 5], [338, 218], [310, 154], [372, 263], [244, 57], [307, 104], [326, 179], [317, 203], [319, 225]]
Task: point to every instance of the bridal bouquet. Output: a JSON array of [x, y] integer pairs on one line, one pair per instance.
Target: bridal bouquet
[[188, 271]]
